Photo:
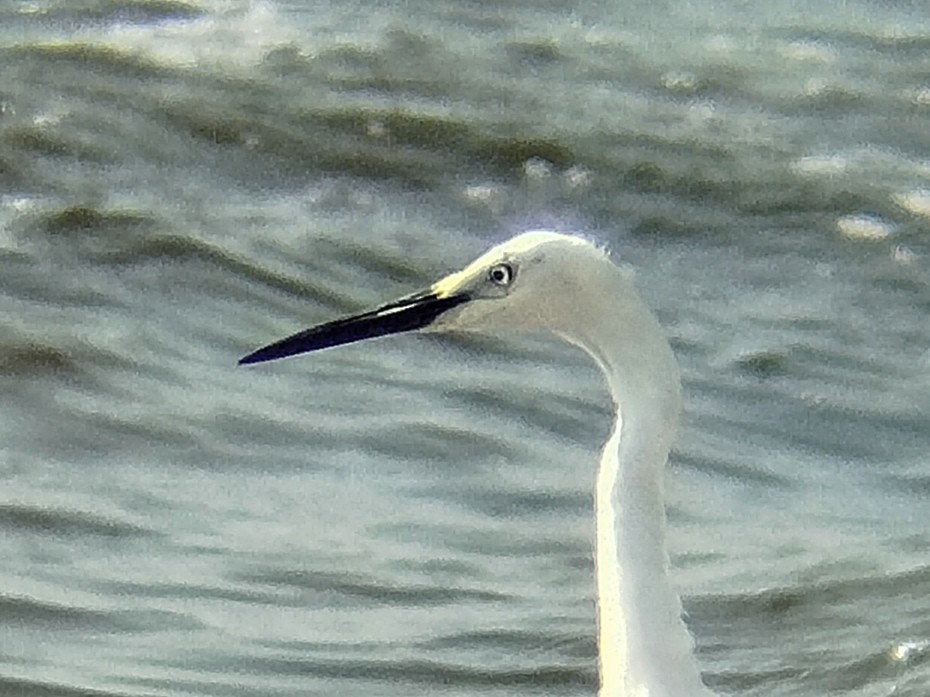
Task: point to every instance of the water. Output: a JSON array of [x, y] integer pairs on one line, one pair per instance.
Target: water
[[180, 183]]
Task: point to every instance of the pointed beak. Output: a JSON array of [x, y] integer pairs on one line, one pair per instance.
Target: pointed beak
[[404, 315]]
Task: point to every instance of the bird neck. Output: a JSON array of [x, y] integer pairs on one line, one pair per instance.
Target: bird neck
[[644, 647]]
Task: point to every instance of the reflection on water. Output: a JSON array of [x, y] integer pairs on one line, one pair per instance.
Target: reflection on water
[[182, 182]]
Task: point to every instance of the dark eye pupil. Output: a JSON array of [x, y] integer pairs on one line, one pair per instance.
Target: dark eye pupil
[[502, 274]]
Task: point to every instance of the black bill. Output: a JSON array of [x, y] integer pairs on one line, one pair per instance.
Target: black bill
[[404, 315]]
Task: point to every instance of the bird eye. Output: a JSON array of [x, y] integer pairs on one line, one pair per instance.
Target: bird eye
[[501, 274]]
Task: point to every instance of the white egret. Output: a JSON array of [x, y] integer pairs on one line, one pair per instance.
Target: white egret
[[550, 281]]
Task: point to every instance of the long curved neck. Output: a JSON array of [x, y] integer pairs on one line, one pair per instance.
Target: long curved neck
[[644, 647]]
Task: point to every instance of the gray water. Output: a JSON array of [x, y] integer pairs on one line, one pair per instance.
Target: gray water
[[181, 183]]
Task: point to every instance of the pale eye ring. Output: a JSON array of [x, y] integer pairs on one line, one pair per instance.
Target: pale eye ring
[[501, 274]]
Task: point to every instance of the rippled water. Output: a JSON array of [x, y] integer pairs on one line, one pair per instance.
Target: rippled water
[[180, 183]]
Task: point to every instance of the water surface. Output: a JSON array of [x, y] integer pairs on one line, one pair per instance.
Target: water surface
[[180, 183]]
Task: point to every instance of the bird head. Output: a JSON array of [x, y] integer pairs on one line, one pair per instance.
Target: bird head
[[534, 281]]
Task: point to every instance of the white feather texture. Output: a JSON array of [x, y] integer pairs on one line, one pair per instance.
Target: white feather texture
[[547, 281], [569, 286]]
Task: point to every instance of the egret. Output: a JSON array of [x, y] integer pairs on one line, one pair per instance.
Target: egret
[[549, 281]]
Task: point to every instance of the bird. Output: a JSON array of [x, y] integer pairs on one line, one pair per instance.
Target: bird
[[546, 281]]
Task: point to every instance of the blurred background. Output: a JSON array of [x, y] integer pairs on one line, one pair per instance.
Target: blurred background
[[183, 182]]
